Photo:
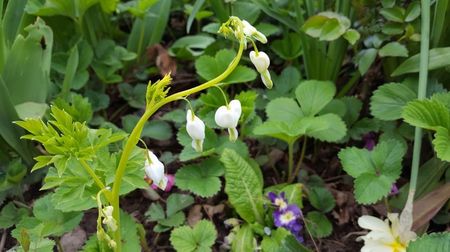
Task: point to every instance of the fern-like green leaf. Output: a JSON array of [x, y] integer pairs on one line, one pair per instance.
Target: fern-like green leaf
[[243, 187]]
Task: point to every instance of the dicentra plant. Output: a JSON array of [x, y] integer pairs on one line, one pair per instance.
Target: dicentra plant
[[93, 167]]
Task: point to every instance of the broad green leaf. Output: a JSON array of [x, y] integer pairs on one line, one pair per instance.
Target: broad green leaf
[[314, 95], [199, 238], [284, 110], [284, 83], [10, 215], [328, 128], [352, 36], [202, 179], [395, 14], [197, 6], [129, 230], [155, 212], [173, 220], [247, 99], [243, 187], [12, 22], [210, 67], [326, 26], [189, 47], [438, 57], [272, 243], [413, 11], [321, 198], [387, 157], [209, 145], [428, 114], [318, 224], [388, 3], [59, 7], [370, 188], [364, 59], [134, 95], [155, 129], [177, 202], [243, 241], [434, 242], [26, 69], [289, 47], [246, 11], [290, 244], [388, 101], [393, 29], [393, 49], [281, 130], [356, 161]]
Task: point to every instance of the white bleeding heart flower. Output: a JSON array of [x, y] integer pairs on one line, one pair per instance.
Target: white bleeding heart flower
[[384, 236], [251, 31], [262, 63], [196, 130], [228, 117], [154, 169], [108, 219]]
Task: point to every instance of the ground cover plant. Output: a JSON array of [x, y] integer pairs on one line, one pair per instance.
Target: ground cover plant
[[246, 125]]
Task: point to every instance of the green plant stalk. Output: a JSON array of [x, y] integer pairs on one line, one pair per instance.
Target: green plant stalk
[[300, 161], [290, 160], [135, 135], [94, 177], [423, 77]]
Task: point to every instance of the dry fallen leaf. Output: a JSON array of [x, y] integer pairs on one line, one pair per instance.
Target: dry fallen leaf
[[213, 210], [426, 207], [163, 61], [195, 215]]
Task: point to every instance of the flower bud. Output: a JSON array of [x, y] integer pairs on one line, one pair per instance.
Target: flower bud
[[196, 130], [262, 62], [108, 219], [250, 31], [228, 117], [154, 170]]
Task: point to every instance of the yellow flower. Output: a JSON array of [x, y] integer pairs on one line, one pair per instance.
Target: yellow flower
[[384, 235]]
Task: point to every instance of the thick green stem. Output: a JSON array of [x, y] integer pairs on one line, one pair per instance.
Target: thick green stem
[[136, 133], [423, 77], [94, 177]]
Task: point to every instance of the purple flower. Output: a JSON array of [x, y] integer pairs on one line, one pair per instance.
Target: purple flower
[[369, 141], [279, 201], [394, 190]]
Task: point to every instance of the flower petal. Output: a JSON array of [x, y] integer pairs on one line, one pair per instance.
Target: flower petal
[[372, 223]]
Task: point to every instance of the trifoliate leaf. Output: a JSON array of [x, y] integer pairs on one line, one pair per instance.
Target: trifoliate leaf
[[202, 179], [210, 67], [374, 171], [328, 128], [434, 242], [314, 95], [155, 212], [199, 238], [243, 187], [388, 100], [318, 224]]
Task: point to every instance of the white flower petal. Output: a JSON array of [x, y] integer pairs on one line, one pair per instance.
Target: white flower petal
[[195, 127], [235, 106], [260, 60], [249, 29], [266, 79], [225, 118], [233, 134], [372, 223], [154, 169]]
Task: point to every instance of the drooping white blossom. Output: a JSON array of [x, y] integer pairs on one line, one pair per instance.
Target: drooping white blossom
[[262, 62], [252, 32], [196, 130], [108, 219], [154, 169], [228, 117]]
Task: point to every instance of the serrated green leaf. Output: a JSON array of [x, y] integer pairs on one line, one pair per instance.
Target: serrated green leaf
[[199, 238], [328, 128], [272, 243], [294, 194], [370, 188], [365, 58], [388, 100], [202, 179], [243, 187], [356, 161], [428, 114], [318, 224], [177, 202], [441, 143], [434, 242], [155, 212], [10, 215], [130, 237], [173, 220], [243, 241], [210, 67], [314, 95]]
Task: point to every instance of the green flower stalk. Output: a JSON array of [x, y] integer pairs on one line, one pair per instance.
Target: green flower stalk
[[156, 97]]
